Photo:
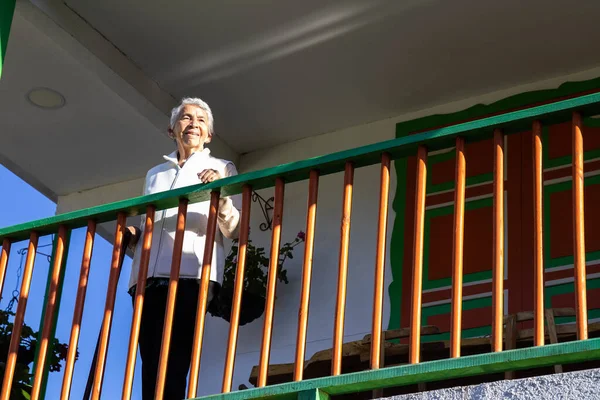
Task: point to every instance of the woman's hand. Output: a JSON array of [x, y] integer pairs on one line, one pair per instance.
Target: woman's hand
[[208, 175], [225, 204]]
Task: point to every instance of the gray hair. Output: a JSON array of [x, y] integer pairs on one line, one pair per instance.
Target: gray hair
[[176, 112]]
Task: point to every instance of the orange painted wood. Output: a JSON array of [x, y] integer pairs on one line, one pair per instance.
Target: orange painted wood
[[15, 339], [538, 237], [109, 307], [78, 311], [498, 258], [579, 229], [238, 289], [4, 262], [311, 219], [376, 334], [417, 267], [211, 227], [51, 305], [340, 306], [171, 299], [138, 304], [458, 248], [265, 350]]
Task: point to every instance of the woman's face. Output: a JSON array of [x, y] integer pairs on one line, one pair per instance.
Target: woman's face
[[191, 129]]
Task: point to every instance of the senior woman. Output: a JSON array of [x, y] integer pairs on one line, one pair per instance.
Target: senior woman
[[191, 127]]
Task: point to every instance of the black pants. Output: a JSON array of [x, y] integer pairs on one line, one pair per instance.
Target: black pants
[[182, 337]]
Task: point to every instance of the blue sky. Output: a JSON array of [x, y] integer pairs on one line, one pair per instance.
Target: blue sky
[[21, 203]]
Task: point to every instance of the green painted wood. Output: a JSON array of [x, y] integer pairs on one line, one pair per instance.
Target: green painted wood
[[507, 104], [562, 353], [313, 394], [7, 10], [513, 122]]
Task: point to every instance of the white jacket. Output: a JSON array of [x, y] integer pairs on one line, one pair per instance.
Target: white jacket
[[167, 176]]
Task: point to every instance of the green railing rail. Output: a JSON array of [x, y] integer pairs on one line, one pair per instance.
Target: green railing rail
[[480, 129], [513, 122], [430, 371]]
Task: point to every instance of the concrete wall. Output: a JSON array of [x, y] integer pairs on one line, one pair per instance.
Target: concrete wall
[[568, 386]]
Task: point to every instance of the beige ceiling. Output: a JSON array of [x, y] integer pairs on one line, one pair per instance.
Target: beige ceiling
[[277, 70], [80, 145], [272, 70]]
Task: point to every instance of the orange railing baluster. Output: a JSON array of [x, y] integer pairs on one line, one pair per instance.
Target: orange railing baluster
[[340, 306], [498, 251], [49, 313], [171, 298], [211, 227], [15, 339], [417, 268], [579, 229], [138, 306], [109, 307], [457, 251], [538, 233], [384, 189], [4, 262], [265, 350], [236, 304], [78, 311], [311, 218]]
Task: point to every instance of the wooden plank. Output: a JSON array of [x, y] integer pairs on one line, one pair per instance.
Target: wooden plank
[[403, 333], [458, 240], [538, 235], [360, 349], [511, 333], [498, 235], [377, 315], [340, 303], [307, 265], [552, 334], [267, 334], [416, 287], [350, 349], [562, 329], [579, 228], [237, 293], [202, 303], [430, 371], [528, 315], [513, 122], [274, 370]]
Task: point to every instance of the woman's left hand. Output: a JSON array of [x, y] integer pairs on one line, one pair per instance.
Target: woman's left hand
[[208, 175]]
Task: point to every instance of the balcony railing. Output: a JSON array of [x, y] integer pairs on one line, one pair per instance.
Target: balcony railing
[[383, 153]]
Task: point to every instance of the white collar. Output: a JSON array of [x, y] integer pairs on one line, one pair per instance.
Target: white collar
[[173, 156]]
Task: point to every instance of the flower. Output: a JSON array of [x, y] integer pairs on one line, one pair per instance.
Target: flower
[[234, 260], [301, 235]]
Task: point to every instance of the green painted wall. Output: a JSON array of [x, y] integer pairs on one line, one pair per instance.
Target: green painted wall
[[7, 9]]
